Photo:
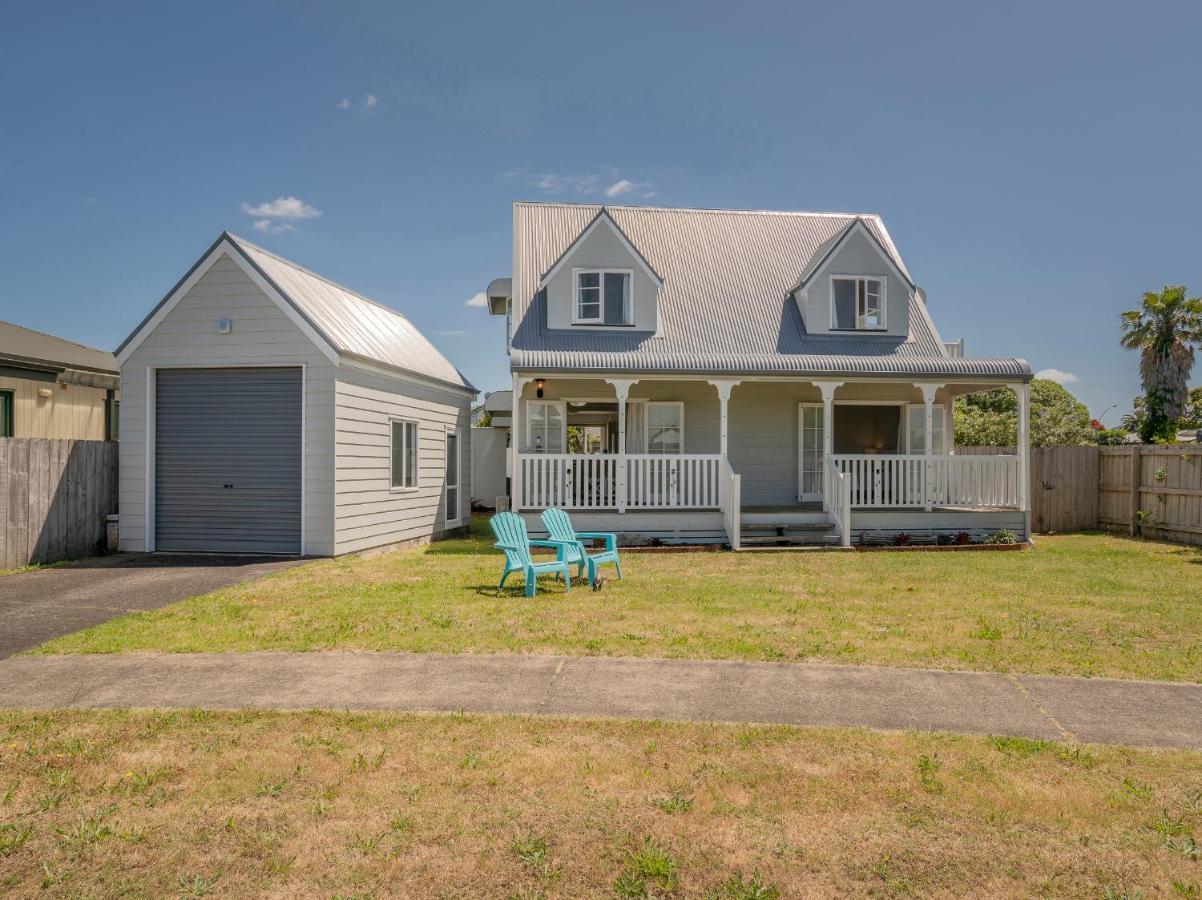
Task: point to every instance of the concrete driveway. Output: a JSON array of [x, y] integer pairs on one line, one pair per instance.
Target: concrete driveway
[[47, 603]]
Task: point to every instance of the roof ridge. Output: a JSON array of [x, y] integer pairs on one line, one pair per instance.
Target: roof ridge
[[56, 337], [317, 275], [703, 209]]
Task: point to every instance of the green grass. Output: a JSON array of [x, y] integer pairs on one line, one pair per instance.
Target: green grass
[[1077, 604], [119, 803]]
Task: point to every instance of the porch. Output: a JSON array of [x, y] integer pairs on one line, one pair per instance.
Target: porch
[[798, 461]]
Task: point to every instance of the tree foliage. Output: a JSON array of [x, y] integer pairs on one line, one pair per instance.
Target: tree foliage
[[990, 418], [1165, 328]]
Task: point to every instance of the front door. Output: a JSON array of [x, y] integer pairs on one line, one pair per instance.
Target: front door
[[809, 455]]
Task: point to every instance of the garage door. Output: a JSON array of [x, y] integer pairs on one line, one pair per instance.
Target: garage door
[[228, 460]]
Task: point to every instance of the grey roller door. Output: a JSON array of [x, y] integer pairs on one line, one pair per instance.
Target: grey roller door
[[228, 460]]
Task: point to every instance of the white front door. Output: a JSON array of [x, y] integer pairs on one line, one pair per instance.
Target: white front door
[[809, 452]]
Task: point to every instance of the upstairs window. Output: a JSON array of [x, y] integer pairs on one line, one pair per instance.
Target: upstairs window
[[603, 297], [858, 304]]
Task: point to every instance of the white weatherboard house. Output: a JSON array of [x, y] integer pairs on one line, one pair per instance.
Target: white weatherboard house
[[747, 377], [269, 410]]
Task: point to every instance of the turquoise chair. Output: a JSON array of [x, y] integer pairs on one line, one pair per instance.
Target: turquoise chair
[[560, 531], [512, 538]]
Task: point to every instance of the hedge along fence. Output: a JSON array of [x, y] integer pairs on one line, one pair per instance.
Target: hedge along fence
[[1152, 490], [54, 497]]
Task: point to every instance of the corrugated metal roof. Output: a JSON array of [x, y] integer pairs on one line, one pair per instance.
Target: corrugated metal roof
[[24, 344], [724, 304], [352, 323]]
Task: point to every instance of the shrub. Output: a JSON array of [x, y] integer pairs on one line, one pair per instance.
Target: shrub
[[1004, 536]]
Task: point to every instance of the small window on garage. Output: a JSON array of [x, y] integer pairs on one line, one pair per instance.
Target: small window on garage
[[404, 454]]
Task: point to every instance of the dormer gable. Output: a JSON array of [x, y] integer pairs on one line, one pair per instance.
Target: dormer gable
[[602, 282], [853, 285]]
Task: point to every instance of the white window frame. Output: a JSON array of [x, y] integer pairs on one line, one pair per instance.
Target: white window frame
[[456, 520], [404, 488], [563, 424], [939, 411], [601, 273], [679, 404], [882, 281]]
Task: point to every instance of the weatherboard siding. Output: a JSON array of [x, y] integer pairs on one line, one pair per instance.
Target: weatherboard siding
[[368, 513], [71, 410], [261, 335]]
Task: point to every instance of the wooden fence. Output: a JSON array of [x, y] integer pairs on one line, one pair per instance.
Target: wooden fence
[[54, 497], [1164, 498]]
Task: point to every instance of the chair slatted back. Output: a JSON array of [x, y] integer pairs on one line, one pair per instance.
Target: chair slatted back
[[510, 531], [558, 525]]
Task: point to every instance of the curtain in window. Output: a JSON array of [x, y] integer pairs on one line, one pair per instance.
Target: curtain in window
[[617, 291], [636, 427]]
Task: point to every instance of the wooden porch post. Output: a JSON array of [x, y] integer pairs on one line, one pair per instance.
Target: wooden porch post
[[1023, 393], [724, 386], [515, 441], [827, 388], [928, 402], [622, 388]]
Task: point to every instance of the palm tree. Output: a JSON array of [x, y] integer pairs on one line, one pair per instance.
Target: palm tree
[[1165, 329]]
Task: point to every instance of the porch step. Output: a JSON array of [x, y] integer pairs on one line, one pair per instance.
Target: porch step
[[791, 539]]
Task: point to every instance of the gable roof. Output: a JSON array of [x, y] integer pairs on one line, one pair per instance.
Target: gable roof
[[36, 348], [602, 217], [827, 249], [349, 323], [724, 305]]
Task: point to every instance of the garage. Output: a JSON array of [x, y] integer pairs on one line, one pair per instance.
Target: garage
[[227, 459]]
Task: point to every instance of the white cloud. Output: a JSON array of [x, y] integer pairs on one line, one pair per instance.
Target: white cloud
[[344, 103], [454, 332], [476, 300], [606, 183], [269, 227], [370, 101], [1057, 376], [282, 208]]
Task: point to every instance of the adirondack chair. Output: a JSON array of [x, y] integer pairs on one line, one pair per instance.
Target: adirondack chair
[[560, 531], [512, 539]]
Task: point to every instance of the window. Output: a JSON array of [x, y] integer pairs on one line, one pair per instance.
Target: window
[[918, 428], [665, 427], [603, 297], [545, 432], [6, 414], [453, 512], [404, 454], [857, 304]]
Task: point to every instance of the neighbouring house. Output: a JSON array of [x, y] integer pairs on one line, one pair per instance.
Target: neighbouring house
[[270, 410], [692, 375], [54, 388], [490, 451]]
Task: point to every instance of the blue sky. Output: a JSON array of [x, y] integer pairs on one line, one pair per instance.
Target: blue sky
[[1037, 165]]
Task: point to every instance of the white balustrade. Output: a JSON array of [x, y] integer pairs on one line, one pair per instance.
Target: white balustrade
[[913, 480], [590, 481]]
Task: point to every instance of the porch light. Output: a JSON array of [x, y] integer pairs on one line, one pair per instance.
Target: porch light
[[539, 383]]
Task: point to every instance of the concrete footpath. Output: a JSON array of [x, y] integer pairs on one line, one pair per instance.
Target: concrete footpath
[[1141, 713]]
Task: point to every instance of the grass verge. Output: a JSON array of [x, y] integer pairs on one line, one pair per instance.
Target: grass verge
[[1077, 604], [109, 803]]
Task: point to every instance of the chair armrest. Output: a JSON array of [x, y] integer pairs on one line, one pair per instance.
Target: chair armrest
[[549, 543], [611, 540]]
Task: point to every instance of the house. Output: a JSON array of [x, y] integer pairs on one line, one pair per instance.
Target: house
[[490, 451], [270, 410], [750, 377], [53, 388]]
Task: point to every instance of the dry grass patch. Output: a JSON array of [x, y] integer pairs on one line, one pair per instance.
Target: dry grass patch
[[306, 804], [1078, 604]]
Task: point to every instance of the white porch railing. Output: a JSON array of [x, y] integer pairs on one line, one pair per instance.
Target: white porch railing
[[593, 481], [730, 495], [915, 480], [836, 493]]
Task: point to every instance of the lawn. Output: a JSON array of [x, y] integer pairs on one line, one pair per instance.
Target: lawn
[[1076, 604], [114, 803]]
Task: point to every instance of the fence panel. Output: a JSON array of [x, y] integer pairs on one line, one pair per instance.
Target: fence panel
[[54, 497]]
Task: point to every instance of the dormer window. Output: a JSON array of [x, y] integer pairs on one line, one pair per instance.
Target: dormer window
[[857, 304], [603, 297]]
